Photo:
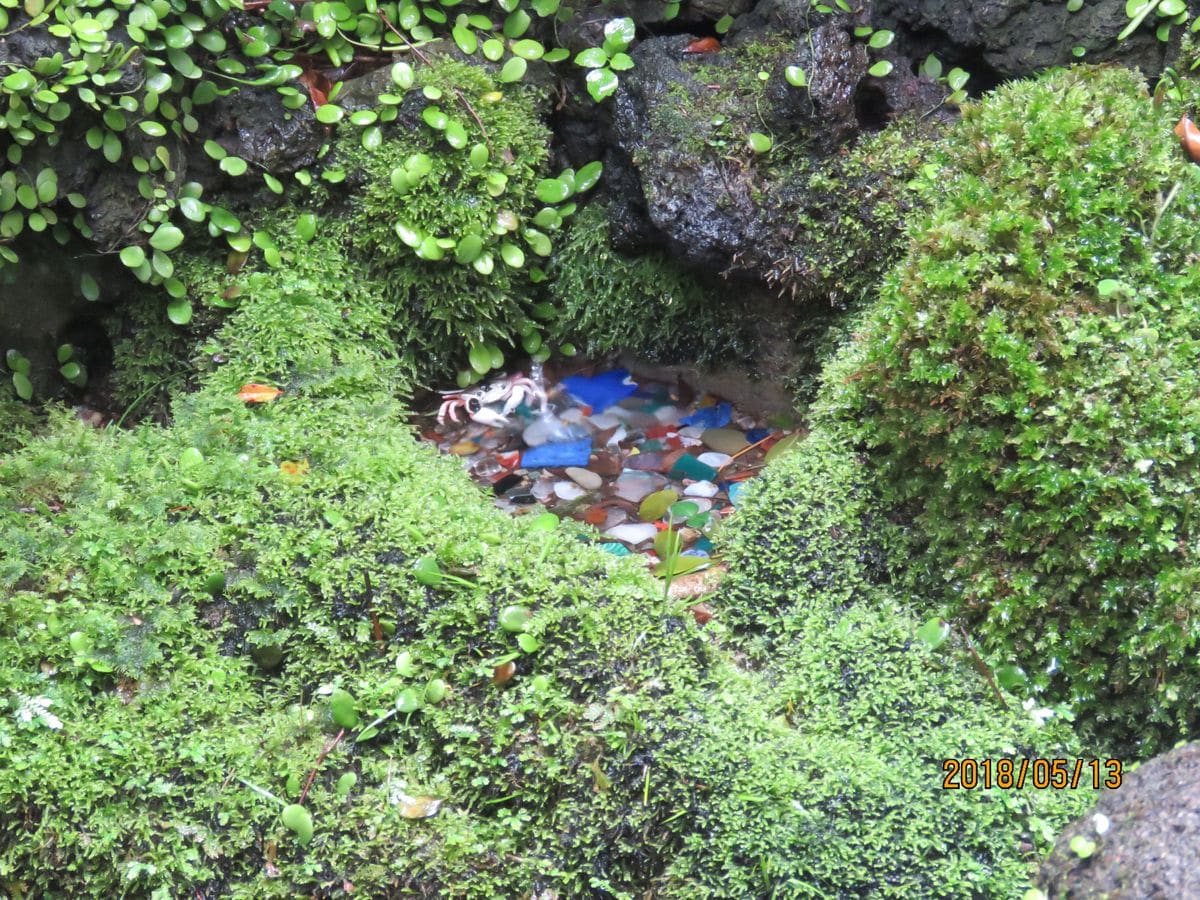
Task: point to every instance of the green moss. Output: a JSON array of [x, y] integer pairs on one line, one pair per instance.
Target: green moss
[[646, 304], [855, 716], [1026, 381]]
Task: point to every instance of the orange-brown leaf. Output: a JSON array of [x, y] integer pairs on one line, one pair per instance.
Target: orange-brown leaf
[[1189, 136], [258, 393], [703, 45]]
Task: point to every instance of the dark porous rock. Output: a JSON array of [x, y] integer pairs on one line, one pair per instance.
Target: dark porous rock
[[1146, 835], [42, 307], [1015, 38], [254, 124], [683, 177]]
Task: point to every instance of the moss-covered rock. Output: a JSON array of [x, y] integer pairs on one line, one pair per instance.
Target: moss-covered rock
[[1027, 383], [647, 304], [817, 217]]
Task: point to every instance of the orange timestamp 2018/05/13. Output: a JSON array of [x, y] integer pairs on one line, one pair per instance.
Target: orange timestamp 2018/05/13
[[1040, 773]]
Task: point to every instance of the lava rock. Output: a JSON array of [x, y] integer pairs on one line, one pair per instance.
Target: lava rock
[[1015, 38], [679, 130], [1146, 835]]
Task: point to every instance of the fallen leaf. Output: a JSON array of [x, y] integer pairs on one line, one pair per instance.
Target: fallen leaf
[[1189, 136], [294, 468], [602, 781], [419, 807], [318, 86], [503, 674], [258, 393], [703, 45], [696, 584], [702, 612]]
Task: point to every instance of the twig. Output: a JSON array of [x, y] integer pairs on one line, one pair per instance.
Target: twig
[[457, 93], [746, 450], [376, 627], [983, 667], [325, 751]]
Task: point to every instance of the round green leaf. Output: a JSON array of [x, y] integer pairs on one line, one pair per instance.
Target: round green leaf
[[601, 83], [89, 287], [795, 76], [881, 68], [179, 311], [758, 142], [456, 135], [435, 691], [512, 255], [434, 117], [881, 39], [513, 70], [408, 701], [297, 819], [343, 708], [552, 190], [588, 175], [514, 618], [22, 385], [468, 249], [528, 49], [329, 114], [493, 49], [480, 358], [934, 632], [402, 75], [591, 58], [166, 238], [133, 256]]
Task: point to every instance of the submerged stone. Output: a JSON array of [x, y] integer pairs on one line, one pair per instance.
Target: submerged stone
[[724, 440]]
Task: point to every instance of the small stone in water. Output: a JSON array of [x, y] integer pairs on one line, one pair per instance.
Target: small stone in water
[[716, 460], [614, 518], [596, 515], [538, 433], [634, 486], [633, 533], [646, 462], [543, 489], [701, 489], [584, 478], [724, 440], [568, 490], [464, 448], [691, 431]]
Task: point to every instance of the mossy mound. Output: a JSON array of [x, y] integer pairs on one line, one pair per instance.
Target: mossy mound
[[1027, 382], [183, 601], [862, 713]]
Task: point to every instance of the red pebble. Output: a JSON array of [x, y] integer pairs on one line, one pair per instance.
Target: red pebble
[[658, 431]]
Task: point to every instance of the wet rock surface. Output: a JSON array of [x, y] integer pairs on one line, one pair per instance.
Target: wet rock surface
[[1140, 841], [679, 134], [1015, 38]]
